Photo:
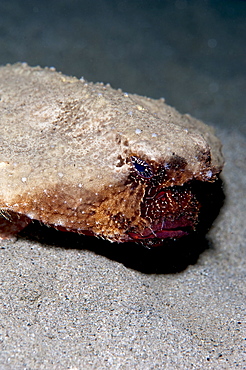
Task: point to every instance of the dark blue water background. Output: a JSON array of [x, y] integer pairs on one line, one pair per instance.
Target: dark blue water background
[[193, 53]]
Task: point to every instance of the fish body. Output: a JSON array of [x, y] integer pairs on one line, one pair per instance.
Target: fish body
[[87, 158]]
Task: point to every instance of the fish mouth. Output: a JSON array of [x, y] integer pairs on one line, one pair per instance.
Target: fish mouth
[[161, 234], [164, 230], [176, 212], [167, 213]]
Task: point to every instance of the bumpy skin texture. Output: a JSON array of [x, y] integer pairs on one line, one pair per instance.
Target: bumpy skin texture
[[87, 158]]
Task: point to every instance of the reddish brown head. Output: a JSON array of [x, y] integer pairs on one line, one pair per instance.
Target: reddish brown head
[[170, 211]]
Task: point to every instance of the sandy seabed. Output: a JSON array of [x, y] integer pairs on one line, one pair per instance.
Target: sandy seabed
[[72, 308]]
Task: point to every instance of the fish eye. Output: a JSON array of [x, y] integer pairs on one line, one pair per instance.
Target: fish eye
[[142, 168]]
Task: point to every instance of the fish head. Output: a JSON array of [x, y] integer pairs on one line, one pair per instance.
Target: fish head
[[170, 206]]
